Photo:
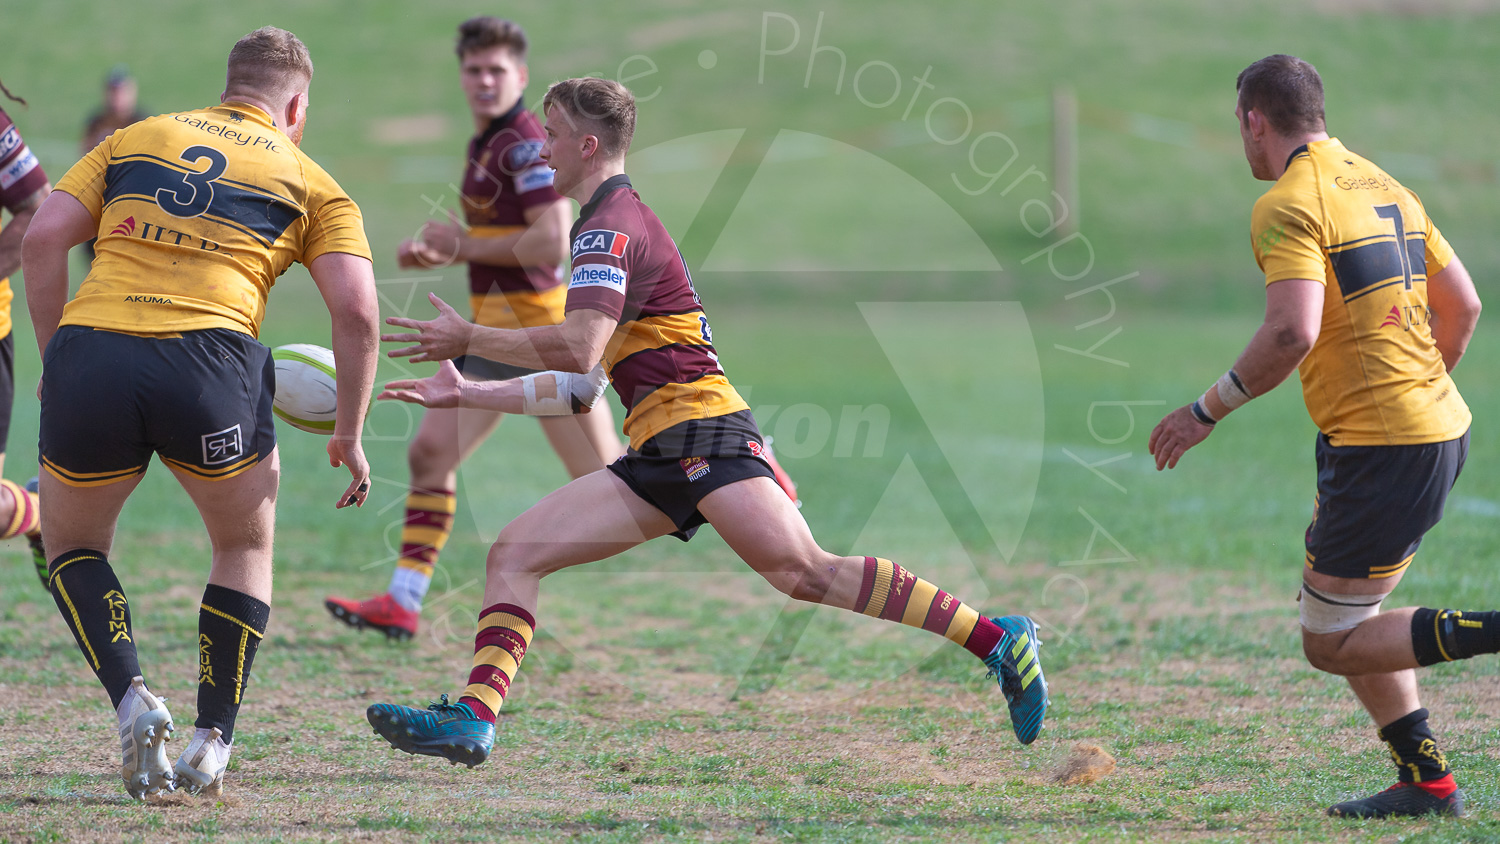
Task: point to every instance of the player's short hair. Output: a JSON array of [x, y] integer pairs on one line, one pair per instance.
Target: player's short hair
[[1286, 90], [486, 31], [270, 62], [604, 107]]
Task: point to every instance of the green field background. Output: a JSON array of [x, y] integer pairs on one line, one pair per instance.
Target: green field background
[[795, 201]]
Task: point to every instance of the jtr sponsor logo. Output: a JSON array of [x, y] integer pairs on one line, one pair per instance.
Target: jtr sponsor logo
[[1406, 316], [119, 625], [162, 234]]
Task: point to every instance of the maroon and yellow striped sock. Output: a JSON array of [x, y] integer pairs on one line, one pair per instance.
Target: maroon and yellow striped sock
[[504, 635], [429, 521], [26, 517], [891, 592]]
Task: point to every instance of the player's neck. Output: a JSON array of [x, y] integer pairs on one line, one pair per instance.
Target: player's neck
[[584, 190], [1279, 149]]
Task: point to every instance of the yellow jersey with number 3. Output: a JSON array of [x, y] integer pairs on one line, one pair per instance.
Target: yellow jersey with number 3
[[198, 214], [1375, 376]]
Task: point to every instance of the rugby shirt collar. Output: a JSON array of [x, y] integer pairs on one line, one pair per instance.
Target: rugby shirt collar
[[501, 122], [1296, 152], [612, 183]]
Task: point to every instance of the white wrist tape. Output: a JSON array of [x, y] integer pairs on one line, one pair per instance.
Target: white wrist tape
[[1232, 391], [570, 392]]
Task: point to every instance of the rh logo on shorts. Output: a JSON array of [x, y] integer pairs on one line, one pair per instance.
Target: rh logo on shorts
[[224, 446]]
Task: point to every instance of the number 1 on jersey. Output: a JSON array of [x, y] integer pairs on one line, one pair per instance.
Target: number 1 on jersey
[[1392, 212]]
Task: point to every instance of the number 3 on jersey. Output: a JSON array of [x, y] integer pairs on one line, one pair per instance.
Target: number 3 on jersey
[[193, 196]]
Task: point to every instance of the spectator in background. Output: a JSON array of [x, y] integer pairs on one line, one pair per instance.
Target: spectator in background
[[118, 110]]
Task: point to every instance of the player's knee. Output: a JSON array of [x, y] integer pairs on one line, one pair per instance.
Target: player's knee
[[428, 453], [805, 579], [1322, 652]]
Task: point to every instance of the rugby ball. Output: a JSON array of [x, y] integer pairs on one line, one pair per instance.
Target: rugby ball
[[306, 387]]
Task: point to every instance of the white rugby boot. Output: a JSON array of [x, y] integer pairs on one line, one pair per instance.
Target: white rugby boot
[[200, 768], [145, 728]]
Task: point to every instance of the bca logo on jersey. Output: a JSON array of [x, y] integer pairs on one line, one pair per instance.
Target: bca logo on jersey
[[9, 141], [519, 155], [601, 242]]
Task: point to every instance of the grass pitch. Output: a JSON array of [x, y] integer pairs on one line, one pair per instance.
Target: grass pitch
[[670, 693]]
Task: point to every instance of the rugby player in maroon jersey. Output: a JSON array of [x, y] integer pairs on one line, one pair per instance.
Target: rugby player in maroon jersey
[[695, 456]]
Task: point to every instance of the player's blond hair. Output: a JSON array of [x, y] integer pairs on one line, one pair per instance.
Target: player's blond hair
[[486, 31], [602, 107], [270, 63]]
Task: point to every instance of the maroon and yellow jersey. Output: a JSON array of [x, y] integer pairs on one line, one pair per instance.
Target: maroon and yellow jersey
[[198, 213], [1375, 376], [504, 178], [21, 177], [661, 358]]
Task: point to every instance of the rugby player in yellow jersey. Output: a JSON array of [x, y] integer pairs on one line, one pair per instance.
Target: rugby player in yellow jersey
[[514, 240], [196, 214], [1368, 302], [696, 456], [23, 186]]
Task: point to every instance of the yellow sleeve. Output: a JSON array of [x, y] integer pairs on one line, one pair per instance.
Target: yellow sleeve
[[84, 181], [1286, 232], [334, 224], [1439, 253]]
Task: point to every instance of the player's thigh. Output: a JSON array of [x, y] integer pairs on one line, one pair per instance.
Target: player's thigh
[[762, 525], [76, 517], [592, 518], [7, 390], [238, 511], [574, 440]]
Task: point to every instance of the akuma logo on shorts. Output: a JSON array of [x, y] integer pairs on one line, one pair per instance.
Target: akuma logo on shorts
[[598, 275], [600, 241], [695, 467], [223, 446]]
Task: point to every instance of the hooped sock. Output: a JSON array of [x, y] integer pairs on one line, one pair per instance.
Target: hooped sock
[[429, 522], [891, 592], [505, 632]]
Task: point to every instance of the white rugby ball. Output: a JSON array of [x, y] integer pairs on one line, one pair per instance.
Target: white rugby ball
[[306, 387]]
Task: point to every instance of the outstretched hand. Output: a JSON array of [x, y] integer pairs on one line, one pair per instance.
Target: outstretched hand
[[1174, 435], [442, 338], [443, 389]]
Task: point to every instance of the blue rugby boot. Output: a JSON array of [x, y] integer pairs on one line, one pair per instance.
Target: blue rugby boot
[[1015, 663], [449, 730]]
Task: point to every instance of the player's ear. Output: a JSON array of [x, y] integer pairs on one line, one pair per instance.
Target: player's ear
[[1257, 123], [590, 145]]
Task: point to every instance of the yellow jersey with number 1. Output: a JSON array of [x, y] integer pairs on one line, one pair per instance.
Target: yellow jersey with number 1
[[1375, 376]]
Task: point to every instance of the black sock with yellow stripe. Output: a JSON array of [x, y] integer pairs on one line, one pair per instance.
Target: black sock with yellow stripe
[[230, 627], [1446, 635], [94, 607]]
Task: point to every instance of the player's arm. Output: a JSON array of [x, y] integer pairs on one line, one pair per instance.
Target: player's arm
[[347, 283], [550, 393], [543, 242], [574, 345], [1294, 317], [1455, 311], [10, 236], [61, 223]]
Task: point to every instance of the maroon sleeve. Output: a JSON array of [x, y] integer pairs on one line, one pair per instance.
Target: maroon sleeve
[[601, 266], [21, 174]]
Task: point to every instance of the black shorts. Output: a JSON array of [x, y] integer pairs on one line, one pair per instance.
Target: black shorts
[[675, 469], [1375, 502], [476, 368], [7, 386], [201, 400]]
